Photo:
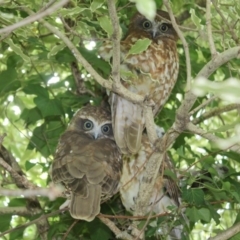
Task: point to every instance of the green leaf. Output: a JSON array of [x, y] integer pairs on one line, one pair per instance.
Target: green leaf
[[195, 214], [18, 234], [127, 75], [29, 165], [30, 116], [36, 89], [45, 137], [8, 81], [17, 202], [98, 230], [49, 107], [204, 214], [171, 174], [75, 11], [56, 49], [96, 4], [146, 8], [196, 20], [192, 214], [193, 196], [235, 237], [106, 24], [17, 49], [5, 222], [213, 213], [227, 90], [140, 46]]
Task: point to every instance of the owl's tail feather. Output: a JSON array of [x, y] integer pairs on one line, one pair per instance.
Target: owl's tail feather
[[128, 124], [86, 208]]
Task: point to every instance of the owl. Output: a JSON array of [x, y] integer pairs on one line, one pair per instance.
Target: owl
[[87, 162], [165, 192], [151, 74]]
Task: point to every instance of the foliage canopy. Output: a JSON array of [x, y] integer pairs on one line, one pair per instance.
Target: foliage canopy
[[42, 85]]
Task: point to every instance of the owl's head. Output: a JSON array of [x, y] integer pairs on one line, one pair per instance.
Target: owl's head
[[93, 121], [159, 28]]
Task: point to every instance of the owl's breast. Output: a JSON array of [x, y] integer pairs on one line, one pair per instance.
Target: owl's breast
[[153, 72]]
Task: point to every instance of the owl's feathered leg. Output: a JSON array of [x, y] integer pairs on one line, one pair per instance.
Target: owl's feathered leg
[[128, 124], [86, 208]]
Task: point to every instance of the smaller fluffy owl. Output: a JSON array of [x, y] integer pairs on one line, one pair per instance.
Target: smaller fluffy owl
[[165, 193], [87, 162]]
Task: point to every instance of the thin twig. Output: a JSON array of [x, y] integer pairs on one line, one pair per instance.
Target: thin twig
[[209, 29], [122, 91], [52, 192], [69, 229], [215, 112], [234, 36], [115, 42], [10, 163], [45, 216], [183, 111], [150, 125], [196, 130], [205, 103], [1, 139], [34, 17], [114, 229], [21, 211], [16, 176], [184, 42]]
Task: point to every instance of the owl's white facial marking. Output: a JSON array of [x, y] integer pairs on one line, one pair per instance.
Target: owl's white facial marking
[[96, 129]]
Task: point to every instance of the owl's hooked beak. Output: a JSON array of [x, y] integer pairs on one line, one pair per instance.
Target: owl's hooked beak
[[154, 33], [95, 135]]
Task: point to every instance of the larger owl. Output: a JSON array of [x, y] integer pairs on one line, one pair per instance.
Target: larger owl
[[165, 194], [151, 74], [88, 162]]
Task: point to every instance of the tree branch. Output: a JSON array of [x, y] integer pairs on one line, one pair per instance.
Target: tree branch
[[35, 221], [115, 42], [34, 17], [227, 234], [33, 205], [118, 233], [196, 130], [205, 103], [225, 21], [52, 192], [184, 42], [183, 111], [215, 112], [20, 179], [209, 29], [21, 211], [119, 89]]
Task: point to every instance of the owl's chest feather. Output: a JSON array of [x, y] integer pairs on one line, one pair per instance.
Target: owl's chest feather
[[154, 71]]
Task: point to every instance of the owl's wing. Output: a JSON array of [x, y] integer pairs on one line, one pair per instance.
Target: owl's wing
[[128, 124], [170, 185], [89, 169], [127, 117]]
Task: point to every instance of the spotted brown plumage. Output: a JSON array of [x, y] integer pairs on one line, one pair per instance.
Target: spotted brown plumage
[[151, 73], [87, 162], [165, 195]]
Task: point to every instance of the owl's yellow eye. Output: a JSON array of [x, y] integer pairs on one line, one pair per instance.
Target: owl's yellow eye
[[88, 125], [163, 27], [147, 24], [106, 128]]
